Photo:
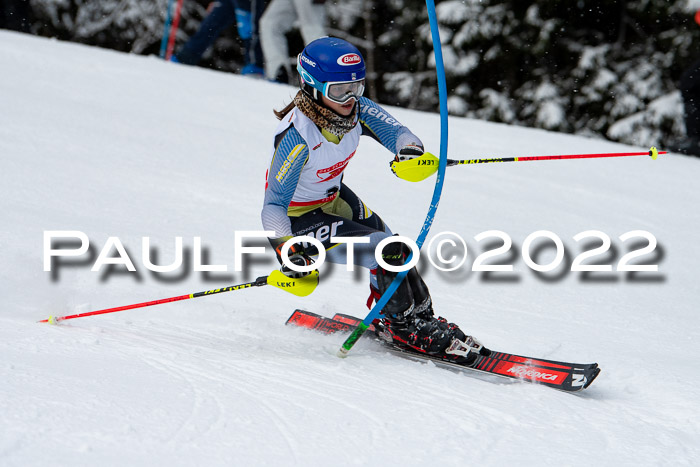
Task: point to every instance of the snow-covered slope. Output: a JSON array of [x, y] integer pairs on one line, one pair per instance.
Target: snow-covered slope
[[115, 145]]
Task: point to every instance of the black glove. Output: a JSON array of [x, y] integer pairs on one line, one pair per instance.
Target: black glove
[[409, 152], [297, 256]]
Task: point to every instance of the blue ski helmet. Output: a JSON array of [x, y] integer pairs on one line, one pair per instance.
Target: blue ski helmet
[[331, 67]]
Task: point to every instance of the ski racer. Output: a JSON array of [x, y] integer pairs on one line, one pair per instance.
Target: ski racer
[[318, 134]]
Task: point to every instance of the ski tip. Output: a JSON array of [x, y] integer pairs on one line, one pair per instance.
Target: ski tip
[[594, 375], [342, 352]]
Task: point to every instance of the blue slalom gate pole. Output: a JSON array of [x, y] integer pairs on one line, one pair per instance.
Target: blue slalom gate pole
[[442, 164], [166, 29]]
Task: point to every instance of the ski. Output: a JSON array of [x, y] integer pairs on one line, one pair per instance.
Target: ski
[[564, 376], [306, 319]]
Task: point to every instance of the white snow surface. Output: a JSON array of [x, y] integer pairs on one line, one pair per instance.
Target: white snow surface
[[117, 145]]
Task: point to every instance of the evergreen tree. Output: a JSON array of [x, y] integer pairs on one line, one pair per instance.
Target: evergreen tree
[[607, 68]]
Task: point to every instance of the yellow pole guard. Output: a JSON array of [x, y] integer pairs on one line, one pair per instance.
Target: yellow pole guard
[[299, 287], [416, 169]]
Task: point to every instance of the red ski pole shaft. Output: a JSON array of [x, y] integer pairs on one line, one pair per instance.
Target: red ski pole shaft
[[652, 152], [260, 281]]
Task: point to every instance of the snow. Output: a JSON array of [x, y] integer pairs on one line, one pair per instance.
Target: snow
[[692, 5], [453, 12], [593, 57], [118, 145], [665, 107]]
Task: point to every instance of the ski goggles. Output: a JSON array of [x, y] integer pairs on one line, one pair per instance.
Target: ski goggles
[[339, 92], [342, 92]]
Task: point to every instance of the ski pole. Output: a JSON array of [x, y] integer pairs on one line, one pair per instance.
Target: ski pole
[[299, 287], [652, 152], [420, 168], [173, 30], [166, 29]]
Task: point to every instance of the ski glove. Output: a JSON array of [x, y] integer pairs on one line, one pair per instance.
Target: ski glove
[[408, 152], [297, 255]]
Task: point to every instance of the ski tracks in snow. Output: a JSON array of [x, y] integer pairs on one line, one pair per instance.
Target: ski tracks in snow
[[237, 381], [226, 396], [224, 392]]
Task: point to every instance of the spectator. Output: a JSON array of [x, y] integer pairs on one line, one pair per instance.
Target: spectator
[[221, 15], [278, 19], [690, 90], [255, 55]]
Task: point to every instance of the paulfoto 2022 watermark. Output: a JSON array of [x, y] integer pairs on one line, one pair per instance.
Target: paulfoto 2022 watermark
[[446, 251]]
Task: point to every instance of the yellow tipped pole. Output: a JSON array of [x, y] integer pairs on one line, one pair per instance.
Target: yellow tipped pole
[[299, 287], [420, 168]]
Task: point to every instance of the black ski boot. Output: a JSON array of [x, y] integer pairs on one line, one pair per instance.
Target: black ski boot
[[408, 318]]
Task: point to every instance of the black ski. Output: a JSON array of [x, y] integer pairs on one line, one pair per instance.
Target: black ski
[[569, 377]]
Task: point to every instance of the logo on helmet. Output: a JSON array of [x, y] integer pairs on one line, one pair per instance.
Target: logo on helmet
[[306, 76], [349, 59], [310, 62]]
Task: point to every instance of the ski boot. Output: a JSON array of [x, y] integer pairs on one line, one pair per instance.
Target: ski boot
[[408, 319]]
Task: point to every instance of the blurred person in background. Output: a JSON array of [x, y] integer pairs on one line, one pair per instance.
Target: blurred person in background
[[279, 18], [689, 86], [221, 15]]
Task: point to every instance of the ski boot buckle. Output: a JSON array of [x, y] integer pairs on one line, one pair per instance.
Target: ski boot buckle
[[463, 348]]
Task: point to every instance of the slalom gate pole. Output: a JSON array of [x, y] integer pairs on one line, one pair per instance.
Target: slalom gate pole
[[652, 152], [166, 29], [173, 30], [300, 287], [437, 192]]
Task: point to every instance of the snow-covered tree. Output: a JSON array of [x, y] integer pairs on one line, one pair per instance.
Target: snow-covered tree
[[598, 67]]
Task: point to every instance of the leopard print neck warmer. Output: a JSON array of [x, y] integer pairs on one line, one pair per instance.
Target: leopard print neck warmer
[[325, 118]]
